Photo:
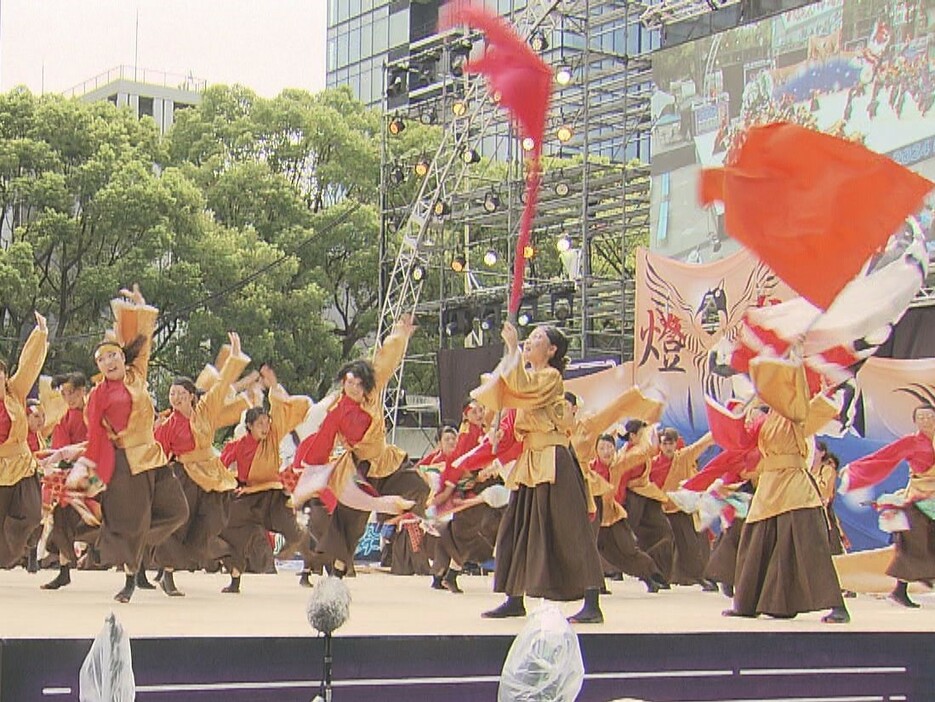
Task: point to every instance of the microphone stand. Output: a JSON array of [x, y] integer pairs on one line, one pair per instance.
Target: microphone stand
[[324, 692]]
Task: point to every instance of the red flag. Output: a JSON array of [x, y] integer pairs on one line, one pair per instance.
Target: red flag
[[523, 83], [811, 206]]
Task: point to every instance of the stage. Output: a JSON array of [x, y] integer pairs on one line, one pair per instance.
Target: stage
[[404, 640]]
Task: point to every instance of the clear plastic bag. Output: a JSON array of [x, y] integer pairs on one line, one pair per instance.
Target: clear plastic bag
[[107, 671], [544, 663]]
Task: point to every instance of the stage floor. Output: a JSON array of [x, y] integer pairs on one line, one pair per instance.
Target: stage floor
[[383, 604]]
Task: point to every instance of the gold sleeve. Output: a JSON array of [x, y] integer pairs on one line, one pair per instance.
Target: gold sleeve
[[31, 360], [631, 403], [233, 409], [821, 410], [287, 411], [628, 458], [387, 359], [53, 404], [699, 447], [131, 321], [217, 397], [511, 386], [781, 385]]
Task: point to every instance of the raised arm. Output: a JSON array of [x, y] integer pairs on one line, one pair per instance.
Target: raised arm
[[31, 360], [390, 354], [631, 403], [781, 384], [216, 400], [134, 318]]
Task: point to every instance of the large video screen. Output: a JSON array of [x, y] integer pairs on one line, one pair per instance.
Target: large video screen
[[860, 69]]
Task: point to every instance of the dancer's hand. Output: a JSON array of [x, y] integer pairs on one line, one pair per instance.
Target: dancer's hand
[[510, 337], [406, 325], [235, 344], [41, 323], [134, 295]]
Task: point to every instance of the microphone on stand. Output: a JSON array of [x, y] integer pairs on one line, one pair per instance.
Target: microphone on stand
[[328, 608]]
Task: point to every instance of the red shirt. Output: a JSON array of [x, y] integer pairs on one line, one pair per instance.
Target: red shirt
[[601, 468], [241, 450], [32, 440], [175, 436], [346, 418], [109, 402], [916, 449], [659, 471], [5, 423], [71, 429], [508, 448]]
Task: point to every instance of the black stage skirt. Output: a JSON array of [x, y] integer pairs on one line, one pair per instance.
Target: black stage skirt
[[545, 547], [722, 565], [915, 549], [187, 548], [138, 511], [652, 530], [784, 566], [20, 514], [617, 546], [692, 550]]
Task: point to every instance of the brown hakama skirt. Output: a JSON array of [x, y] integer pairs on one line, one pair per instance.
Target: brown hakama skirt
[[408, 558], [252, 515], [20, 514], [652, 530], [469, 537], [138, 511], [692, 550], [722, 564], [208, 514], [617, 545], [784, 566], [67, 528], [915, 549], [545, 547]]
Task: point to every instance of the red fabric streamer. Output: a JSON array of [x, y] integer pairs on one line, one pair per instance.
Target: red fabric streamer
[[523, 83], [811, 206]]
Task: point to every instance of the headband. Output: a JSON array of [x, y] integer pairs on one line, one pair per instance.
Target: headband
[[106, 347]]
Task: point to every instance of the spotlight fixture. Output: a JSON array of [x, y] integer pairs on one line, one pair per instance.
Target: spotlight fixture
[[451, 329], [565, 133], [441, 208], [396, 82], [490, 257], [491, 202], [538, 41], [528, 143], [470, 156], [459, 52], [488, 322], [563, 244], [459, 108], [417, 273], [490, 317], [524, 319], [396, 125], [397, 175], [428, 116], [562, 303], [458, 263], [562, 189], [529, 251], [421, 168], [563, 75]]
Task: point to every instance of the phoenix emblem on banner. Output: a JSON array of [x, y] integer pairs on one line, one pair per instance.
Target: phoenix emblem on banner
[[679, 335]]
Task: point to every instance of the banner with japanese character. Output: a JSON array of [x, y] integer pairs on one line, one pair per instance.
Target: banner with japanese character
[[687, 317], [888, 391]]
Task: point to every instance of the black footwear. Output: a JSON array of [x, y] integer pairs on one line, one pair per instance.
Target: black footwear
[[167, 582], [605, 590], [450, 582], [61, 580], [304, 578], [141, 582], [234, 585], [651, 586], [708, 586], [591, 611], [437, 582], [32, 561], [735, 613], [128, 589], [513, 607], [727, 590], [838, 615], [902, 598], [848, 594], [661, 582], [615, 576]]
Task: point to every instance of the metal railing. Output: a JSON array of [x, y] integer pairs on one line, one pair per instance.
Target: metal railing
[[136, 74]]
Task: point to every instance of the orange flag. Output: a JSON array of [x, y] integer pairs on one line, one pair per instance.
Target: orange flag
[[813, 207]]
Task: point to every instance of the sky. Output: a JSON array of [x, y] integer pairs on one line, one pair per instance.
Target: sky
[[266, 45]]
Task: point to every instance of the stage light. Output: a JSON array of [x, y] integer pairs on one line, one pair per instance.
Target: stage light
[[451, 328], [458, 263], [397, 175], [490, 257], [396, 125], [528, 143], [459, 53], [562, 189], [418, 272], [564, 133], [491, 202], [563, 75], [529, 251], [489, 322], [524, 319], [441, 208], [562, 305], [421, 168], [428, 116], [396, 82], [538, 41], [563, 244], [459, 108], [470, 156]]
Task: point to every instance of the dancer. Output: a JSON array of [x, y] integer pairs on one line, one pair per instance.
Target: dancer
[[20, 499], [187, 437], [671, 467], [784, 564], [914, 559], [544, 545], [356, 416], [824, 470], [262, 504], [143, 503]]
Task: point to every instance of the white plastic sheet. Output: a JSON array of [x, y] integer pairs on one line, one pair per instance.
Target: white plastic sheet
[[107, 672]]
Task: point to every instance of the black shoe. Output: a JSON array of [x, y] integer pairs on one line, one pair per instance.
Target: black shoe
[[605, 590], [513, 607], [437, 582], [708, 586], [61, 580], [727, 590], [618, 577], [591, 611], [32, 561], [901, 597], [167, 582], [450, 582], [141, 582], [838, 615], [128, 589], [651, 586], [304, 578], [661, 582], [735, 613], [234, 586]]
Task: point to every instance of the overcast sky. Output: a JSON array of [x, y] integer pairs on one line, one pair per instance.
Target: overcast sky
[[266, 45]]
